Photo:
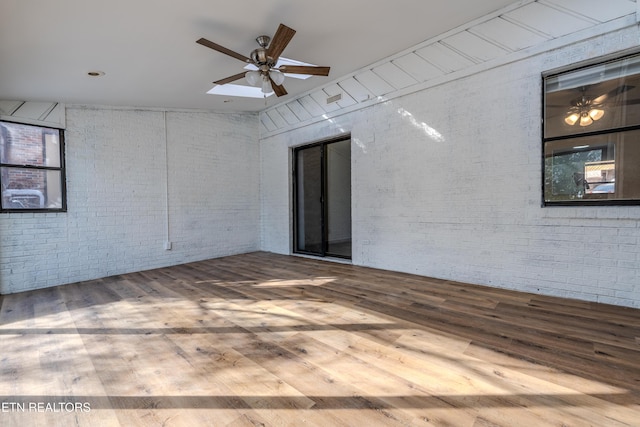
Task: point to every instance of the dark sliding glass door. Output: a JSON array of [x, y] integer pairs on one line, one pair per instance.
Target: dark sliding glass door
[[309, 203], [322, 217]]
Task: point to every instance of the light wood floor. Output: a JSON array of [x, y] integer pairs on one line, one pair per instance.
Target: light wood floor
[[264, 339]]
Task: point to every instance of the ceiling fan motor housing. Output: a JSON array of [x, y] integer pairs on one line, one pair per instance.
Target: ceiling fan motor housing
[[259, 57]]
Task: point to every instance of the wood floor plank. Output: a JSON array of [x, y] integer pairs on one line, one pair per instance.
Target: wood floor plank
[[266, 339]]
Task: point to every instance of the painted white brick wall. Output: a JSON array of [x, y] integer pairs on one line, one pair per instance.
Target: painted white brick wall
[[117, 170], [446, 182], [275, 197], [214, 185]]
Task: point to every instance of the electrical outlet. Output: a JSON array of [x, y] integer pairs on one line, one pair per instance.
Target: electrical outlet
[[167, 246]]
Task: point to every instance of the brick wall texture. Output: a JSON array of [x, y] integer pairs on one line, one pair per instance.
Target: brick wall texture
[[446, 182], [134, 183], [26, 148]]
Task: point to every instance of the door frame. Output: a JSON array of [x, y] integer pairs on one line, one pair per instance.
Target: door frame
[[323, 184]]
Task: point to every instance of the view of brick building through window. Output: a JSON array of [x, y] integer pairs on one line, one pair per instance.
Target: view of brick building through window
[[30, 173]]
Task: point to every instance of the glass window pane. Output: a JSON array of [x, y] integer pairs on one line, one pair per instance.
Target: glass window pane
[[309, 200], [597, 98], [52, 151], [339, 198], [602, 167], [29, 145], [31, 188]]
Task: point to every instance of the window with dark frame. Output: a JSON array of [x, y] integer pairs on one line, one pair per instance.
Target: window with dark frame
[[32, 174], [591, 134]]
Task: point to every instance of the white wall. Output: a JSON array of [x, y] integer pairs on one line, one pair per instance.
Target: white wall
[[118, 172], [446, 182]]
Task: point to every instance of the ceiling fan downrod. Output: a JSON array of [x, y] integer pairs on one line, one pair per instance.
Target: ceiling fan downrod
[[260, 56]]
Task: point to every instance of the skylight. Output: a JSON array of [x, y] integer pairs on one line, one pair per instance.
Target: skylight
[[238, 90]]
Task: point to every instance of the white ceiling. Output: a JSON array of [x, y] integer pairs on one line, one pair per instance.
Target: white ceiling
[[148, 52]]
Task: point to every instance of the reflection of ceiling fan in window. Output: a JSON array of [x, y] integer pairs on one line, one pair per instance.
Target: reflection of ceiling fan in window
[[585, 110], [267, 75]]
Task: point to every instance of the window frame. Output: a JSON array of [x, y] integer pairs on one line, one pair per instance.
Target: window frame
[[619, 131], [61, 169]]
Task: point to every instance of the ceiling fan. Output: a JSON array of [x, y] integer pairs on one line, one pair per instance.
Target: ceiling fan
[[268, 75], [585, 110]]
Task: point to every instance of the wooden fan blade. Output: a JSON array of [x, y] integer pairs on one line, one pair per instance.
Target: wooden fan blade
[[615, 92], [612, 93], [280, 40], [601, 99], [278, 89], [305, 69], [222, 49], [230, 78]]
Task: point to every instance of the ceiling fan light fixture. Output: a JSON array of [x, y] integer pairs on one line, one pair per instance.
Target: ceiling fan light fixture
[[252, 77], [266, 85], [585, 117], [585, 120], [277, 76], [596, 114], [572, 119]]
